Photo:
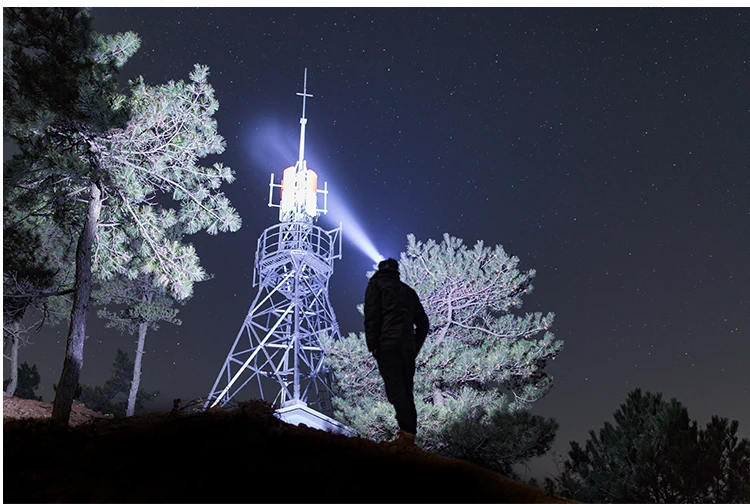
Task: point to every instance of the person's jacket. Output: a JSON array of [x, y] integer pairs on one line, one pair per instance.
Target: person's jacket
[[392, 310]]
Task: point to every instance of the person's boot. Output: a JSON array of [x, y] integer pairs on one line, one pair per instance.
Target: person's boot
[[405, 438], [403, 441]]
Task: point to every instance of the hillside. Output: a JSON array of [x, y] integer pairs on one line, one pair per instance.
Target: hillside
[[244, 455]]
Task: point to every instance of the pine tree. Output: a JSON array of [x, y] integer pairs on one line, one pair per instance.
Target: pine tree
[[28, 382], [143, 305], [631, 460], [59, 99], [37, 271], [37, 261], [480, 369], [654, 453], [723, 468], [112, 397], [80, 136]]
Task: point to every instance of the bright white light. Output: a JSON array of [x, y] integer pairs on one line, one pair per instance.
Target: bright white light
[[354, 232], [338, 212]]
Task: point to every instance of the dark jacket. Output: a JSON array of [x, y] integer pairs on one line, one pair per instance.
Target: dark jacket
[[392, 310]]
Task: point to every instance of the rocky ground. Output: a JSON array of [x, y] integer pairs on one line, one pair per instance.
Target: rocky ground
[[243, 455]]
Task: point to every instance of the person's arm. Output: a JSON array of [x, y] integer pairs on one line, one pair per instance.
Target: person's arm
[[422, 324], [373, 317]]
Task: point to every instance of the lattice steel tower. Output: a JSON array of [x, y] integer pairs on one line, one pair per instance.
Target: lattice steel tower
[[277, 350]]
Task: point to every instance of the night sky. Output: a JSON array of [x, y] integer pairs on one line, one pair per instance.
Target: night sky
[[606, 148]]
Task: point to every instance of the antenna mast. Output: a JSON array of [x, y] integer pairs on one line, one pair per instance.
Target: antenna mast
[[303, 120]]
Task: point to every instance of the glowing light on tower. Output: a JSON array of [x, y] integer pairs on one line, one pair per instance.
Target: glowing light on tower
[[277, 348]]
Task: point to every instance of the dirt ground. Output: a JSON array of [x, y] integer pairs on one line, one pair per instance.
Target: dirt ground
[[240, 455], [15, 408]]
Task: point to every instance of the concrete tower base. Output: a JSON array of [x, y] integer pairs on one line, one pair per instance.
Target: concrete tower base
[[296, 413]]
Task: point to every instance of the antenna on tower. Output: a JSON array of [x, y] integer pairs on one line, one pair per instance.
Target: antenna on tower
[[298, 198], [303, 119]]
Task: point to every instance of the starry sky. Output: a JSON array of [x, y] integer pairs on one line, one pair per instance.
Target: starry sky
[[607, 148]]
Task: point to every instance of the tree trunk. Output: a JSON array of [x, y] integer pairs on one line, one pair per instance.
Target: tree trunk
[[13, 383], [71, 371], [142, 328]]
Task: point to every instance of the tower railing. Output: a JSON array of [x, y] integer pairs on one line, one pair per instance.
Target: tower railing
[[320, 246]]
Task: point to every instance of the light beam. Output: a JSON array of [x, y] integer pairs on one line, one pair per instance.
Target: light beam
[[352, 230]]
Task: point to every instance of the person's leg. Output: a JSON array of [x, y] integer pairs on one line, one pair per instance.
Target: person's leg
[[395, 373], [409, 415]]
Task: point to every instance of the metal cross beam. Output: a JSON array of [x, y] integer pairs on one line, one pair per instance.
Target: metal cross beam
[[304, 94]]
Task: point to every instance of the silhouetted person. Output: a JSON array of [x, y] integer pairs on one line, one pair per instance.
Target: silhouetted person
[[396, 326]]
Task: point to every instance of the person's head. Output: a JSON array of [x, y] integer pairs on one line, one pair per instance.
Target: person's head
[[389, 264]]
